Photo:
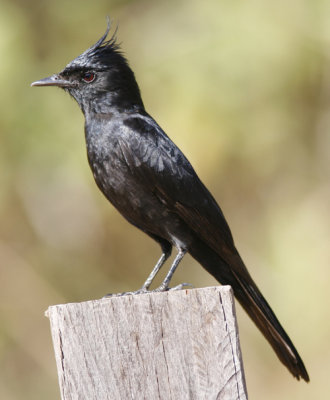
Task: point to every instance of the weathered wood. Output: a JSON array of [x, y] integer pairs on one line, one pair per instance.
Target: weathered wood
[[172, 345]]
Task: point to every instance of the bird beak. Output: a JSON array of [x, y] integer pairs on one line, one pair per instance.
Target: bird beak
[[54, 80]]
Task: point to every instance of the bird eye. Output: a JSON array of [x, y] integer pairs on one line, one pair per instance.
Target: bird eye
[[88, 77]]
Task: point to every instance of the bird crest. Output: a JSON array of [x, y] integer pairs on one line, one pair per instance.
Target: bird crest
[[98, 54]]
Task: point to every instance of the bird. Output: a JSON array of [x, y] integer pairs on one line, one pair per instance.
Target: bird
[[152, 184]]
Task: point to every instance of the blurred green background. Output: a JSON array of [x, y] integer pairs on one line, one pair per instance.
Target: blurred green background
[[244, 89]]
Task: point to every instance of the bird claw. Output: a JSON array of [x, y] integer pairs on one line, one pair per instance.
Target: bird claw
[[139, 291], [181, 286], [161, 288]]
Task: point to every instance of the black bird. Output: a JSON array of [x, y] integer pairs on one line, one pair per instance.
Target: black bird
[[152, 184]]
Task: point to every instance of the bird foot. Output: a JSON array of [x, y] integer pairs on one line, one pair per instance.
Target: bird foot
[[140, 291], [181, 286], [161, 288]]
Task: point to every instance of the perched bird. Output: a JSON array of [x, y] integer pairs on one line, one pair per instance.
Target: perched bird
[[152, 184]]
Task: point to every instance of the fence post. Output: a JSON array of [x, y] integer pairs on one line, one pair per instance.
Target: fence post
[[171, 345]]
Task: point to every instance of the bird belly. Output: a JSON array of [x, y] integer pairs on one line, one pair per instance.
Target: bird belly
[[135, 200]]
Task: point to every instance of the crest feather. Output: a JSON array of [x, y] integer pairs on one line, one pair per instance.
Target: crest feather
[[97, 55], [102, 43]]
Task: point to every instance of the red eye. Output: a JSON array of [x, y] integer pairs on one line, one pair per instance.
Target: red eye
[[88, 77]]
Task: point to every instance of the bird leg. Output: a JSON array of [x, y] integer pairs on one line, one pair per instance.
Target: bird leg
[[154, 272], [164, 286], [145, 288], [168, 277]]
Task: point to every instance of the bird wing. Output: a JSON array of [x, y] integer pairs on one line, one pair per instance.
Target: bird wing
[[169, 175], [162, 166]]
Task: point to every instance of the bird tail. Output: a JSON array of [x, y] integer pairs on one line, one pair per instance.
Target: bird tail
[[233, 272]]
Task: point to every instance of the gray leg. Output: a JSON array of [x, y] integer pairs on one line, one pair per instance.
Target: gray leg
[[166, 281], [164, 286], [154, 272]]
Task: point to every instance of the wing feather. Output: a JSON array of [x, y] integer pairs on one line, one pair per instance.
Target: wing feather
[[163, 167]]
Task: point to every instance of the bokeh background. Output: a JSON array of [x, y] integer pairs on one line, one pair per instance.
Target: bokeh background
[[244, 89]]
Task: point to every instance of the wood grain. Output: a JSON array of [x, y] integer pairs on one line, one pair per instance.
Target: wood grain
[[173, 345]]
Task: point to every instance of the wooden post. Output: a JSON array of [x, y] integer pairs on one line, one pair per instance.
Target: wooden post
[[172, 345]]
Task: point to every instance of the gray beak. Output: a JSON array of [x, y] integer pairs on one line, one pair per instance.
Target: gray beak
[[54, 80]]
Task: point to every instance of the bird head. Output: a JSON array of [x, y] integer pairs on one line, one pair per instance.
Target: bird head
[[99, 79]]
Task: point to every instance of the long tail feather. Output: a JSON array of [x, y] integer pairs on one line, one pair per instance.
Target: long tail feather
[[251, 299]]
